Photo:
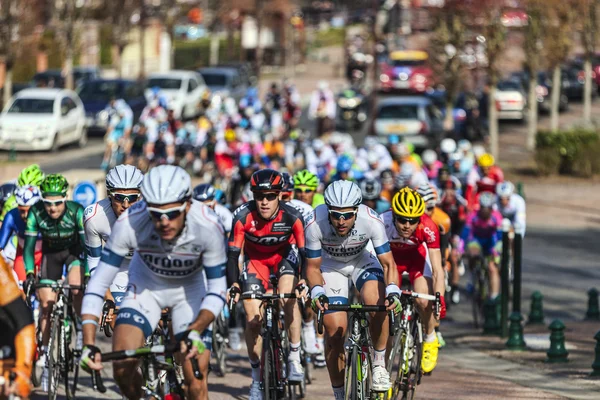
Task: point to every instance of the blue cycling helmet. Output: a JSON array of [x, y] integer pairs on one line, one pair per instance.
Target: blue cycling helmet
[[344, 164], [204, 192], [220, 196], [288, 182]]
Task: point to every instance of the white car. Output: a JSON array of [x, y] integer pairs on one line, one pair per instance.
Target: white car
[[183, 91], [42, 119], [511, 101]]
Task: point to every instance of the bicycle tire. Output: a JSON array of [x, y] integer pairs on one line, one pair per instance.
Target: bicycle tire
[[478, 294], [219, 346], [269, 370], [415, 371], [36, 376], [395, 363], [53, 356], [66, 360]]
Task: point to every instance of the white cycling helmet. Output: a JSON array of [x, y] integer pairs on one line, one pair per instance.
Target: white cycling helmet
[[478, 151], [124, 177], [487, 199], [464, 145], [27, 195], [166, 184], [448, 146], [505, 189], [371, 189], [429, 157], [456, 156], [428, 193], [343, 194]]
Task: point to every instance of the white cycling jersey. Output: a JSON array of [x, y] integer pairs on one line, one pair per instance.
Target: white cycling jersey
[[225, 216], [515, 212], [323, 241], [165, 273], [304, 209]]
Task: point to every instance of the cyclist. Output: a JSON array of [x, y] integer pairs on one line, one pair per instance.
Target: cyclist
[[415, 243], [287, 195], [483, 236], [207, 194], [60, 223], [6, 198], [305, 188], [346, 240], [175, 238], [483, 179], [511, 205], [17, 337], [123, 187], [118, 133], [14, 224], [371, 194], [271, 234]]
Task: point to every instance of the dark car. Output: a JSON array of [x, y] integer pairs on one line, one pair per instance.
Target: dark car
[[543, 90], [573, 78], [224, 81], [96, 95], [245, 69], [459, 114], [54, 78]]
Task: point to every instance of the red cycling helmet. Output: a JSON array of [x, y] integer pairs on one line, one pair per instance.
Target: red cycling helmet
[[266, 180]]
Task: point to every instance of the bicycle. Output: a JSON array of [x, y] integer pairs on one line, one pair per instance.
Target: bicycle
[[60, 358], [359, 348], [150, 355], [407, 350], [479, 279], [33, 304], [107, 309], [274, 349], [220, 335]]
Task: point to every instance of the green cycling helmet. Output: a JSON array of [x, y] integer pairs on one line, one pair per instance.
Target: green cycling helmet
[[31, 175], [54, 185], [306, 178]]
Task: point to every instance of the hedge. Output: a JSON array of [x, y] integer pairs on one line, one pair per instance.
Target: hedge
[[196, 54], [571, 152]]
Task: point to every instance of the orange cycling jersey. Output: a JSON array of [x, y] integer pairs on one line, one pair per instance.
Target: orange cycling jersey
[[441, 219], [17, 332]]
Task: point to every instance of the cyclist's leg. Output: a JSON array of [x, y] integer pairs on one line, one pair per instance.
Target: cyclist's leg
[[336, 286], [493, 257], [51, 271], [368, 280], [255, 279], [117, 291], [75, 278], [287, 271], [138, 316], [419, 269]]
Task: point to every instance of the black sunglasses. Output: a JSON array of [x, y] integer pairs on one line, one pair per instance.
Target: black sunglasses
[[304, 190], [339, 215], [121, 197], [268, 196], [411, 221]]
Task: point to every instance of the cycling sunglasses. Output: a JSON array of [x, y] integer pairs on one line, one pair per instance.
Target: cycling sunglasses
[[169, 213], [123, 197], [51, 203], [268, 196], [337, 215], [304, 190], [403, 220]]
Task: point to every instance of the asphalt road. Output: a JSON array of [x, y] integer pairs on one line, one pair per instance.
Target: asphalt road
[[562, 264]]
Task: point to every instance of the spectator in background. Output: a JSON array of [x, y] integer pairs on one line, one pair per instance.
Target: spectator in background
[[322, 108]]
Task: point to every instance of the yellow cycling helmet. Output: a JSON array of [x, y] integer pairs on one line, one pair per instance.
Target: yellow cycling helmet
[[408, 203], [486, 160], [230, 135]]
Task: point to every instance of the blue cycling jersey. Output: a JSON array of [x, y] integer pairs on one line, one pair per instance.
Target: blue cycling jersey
[[13, 224]]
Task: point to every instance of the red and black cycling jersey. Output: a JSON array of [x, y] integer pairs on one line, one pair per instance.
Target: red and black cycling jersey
[[261, 238]]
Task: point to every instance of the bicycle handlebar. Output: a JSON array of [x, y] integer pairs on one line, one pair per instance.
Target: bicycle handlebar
[[360, 308], [55, 286]]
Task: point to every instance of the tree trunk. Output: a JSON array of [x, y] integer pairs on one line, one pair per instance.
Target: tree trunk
[[119, 61], [493, 120], [69, 84], [533, 113], [7, 85], [555, 100], [587, 91], [449, 120], [142, 72]]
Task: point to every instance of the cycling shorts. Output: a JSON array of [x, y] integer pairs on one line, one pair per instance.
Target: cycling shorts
[[147, 295], [256, 273], [415, 262], [338, 277], [486, 245], [118, 287], [52, 263]]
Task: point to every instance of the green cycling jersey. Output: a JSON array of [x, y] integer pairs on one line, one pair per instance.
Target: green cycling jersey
[[57, 234], [318, 199]]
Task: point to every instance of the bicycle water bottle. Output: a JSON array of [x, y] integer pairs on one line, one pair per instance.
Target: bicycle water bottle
[[67, 325], [226, 312], [364, 366]]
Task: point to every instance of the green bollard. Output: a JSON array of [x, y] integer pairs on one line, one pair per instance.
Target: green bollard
[[536, 316], [491, 317], [515, 332], [593, 311], [557, 353], [12, 154], [596, 363], [520, 191]]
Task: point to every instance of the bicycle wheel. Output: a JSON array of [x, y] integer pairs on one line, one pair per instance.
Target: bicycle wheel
[[269, 370], [53, 358], [478, 294], [415, 372], [395, 364], [66, 359], [219, 346]]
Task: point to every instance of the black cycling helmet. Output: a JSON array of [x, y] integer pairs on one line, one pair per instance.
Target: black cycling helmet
[[371, 189], [204, 192], [288, 182], [6, 191], [266, 180]]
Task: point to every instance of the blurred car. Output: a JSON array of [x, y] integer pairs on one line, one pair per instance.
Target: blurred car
[[414, 119], [245, 69], [224, 82], [573, 76], [514, 19], [511, 100], [182, 89], [543, 90], [54, 78], [579, 59], [406, 71], [42, 119], [459, 115], [96, 95]]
